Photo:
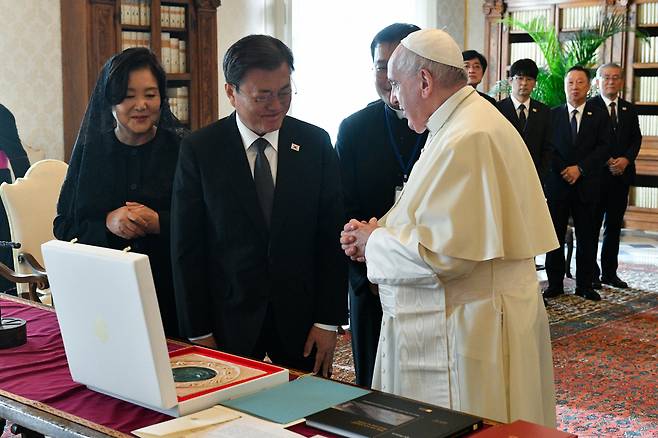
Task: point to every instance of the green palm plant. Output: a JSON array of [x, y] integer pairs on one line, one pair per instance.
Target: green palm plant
[[577, 48]]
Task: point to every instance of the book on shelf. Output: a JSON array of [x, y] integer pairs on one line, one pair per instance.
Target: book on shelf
[[526, 16], [647, 50], [182, 56], [523, 429], [527, 50], [135, 39], [582, 17], [645, 197], [646, 89], [172, 16], [136, 12], [648, 125], [173, 54], [647, 14], [379, 414]]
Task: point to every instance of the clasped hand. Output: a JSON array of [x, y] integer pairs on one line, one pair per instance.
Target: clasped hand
[[617, 166], [570, 174], [132, 221], [354, 237]]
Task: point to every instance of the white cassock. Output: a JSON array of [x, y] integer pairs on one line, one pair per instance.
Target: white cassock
[[464, 323]]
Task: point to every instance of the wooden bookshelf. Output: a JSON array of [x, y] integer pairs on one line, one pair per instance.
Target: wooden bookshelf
[[92, 32], [646, 163]]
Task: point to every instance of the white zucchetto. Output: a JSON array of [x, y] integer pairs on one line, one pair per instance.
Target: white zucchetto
[[436, 45]]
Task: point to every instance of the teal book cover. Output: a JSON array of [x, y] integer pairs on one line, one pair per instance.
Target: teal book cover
[[295, 400]]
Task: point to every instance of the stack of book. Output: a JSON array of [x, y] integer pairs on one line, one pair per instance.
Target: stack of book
[[646, 89], [582, 17], [136, 12], [172, 17], [648, 125], [174, 54], [135, 39], [647, 50], [647, 14]]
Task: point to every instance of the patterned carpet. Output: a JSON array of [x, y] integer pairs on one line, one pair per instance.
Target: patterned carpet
[[605, 355]]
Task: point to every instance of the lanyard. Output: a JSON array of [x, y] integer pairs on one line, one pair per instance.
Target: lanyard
[[396, 150]]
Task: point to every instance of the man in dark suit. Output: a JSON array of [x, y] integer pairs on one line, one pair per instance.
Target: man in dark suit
[[257, 210], [475, 65], [530, 117], [377, 151], [581, 133], [618, 172]]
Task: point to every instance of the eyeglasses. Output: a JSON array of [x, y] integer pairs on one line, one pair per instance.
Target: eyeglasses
[[610, 78], [523, 78], [268, 97]]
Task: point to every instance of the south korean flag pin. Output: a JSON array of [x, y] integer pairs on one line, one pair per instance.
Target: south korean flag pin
[[295, 147]]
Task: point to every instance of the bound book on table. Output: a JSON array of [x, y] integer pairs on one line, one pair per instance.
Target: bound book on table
[[523, 429], [385, 415]]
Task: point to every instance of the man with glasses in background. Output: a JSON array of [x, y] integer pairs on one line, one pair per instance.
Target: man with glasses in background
[[529, 116], [377, 151], [618, 172], [475, 65], [256, 212]]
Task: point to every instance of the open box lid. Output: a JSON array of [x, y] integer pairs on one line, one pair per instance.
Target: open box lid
[[110, 322]]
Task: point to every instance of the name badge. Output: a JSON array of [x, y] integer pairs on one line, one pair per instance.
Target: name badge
[[398, 193]]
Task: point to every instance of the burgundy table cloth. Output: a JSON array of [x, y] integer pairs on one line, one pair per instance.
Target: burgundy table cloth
[[37, 374]]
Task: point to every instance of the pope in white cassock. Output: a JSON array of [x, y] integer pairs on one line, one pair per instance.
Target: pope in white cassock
[[464, 324]]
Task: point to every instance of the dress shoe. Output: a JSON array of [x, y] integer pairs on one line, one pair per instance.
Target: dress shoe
[[596, 284], [588, 294], [552, 292], [615, 282]]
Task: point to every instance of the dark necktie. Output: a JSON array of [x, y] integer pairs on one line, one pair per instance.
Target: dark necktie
[[574, 126], [522, 118], [263, 179], [613, 115]]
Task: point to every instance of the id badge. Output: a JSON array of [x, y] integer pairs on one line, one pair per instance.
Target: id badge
[[398, 193]]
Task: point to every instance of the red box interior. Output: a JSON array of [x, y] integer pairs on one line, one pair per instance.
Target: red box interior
[[237, 360]]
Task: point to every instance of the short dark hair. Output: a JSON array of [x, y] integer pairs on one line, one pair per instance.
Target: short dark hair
[[580, 68], [393, 33], [255, 51], [524, 67], [472, 54], [122, 64]]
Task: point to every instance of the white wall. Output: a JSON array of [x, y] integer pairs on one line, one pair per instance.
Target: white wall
[[31, 71]]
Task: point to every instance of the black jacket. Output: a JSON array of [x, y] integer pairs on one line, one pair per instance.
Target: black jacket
[[369, 167], [228, 268], [536, 133], [590, 152], [627, 138]]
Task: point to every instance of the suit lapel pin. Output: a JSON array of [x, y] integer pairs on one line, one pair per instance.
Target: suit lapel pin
[[589, 113], [623, 108], [295, 147], [534, 110]]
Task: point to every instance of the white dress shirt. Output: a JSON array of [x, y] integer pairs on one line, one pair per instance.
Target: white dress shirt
[[579, 116], [518, 103]]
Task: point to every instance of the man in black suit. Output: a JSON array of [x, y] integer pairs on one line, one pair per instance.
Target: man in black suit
[[256, 213], [581, 133], [377, 151], [475, 65], [530, 117], [619, 171]]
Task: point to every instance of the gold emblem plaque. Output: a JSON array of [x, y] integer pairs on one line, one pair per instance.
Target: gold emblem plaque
[[209, 373]]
